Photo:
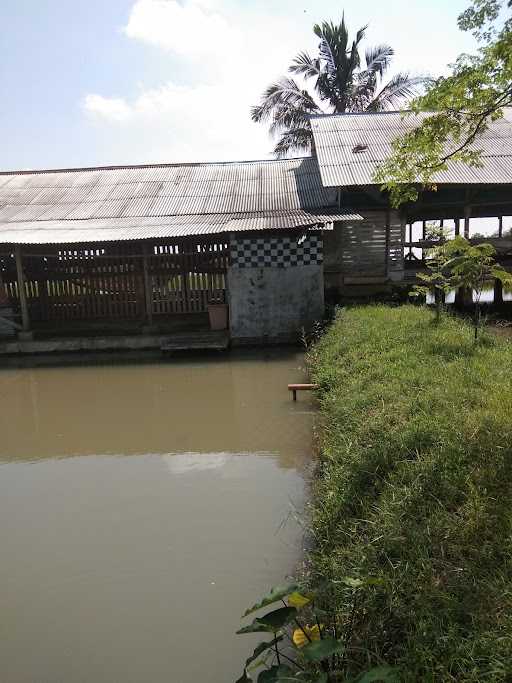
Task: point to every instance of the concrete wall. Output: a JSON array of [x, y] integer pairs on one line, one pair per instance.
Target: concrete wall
[[272, 302]]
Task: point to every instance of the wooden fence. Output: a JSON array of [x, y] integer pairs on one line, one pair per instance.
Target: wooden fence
[[123, 281]]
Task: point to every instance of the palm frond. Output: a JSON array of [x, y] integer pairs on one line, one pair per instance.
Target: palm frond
[[400, 89], [325, 32], [360, 34], [294, 140], [378, 59], [285, 92], [306, 66], [285, 117]]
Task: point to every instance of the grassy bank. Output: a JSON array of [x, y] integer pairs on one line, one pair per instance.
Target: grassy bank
[[414, 487]]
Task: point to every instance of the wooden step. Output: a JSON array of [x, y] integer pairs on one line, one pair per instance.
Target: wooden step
[[197, 342]]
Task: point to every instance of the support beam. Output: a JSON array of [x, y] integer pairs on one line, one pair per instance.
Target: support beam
[[25, 319], [500, 226], [457, 226]]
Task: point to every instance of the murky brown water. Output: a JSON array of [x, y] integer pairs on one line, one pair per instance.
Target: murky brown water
[[142, 508]]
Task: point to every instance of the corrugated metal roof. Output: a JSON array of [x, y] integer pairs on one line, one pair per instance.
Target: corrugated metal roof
[[141, 202], [337, 135], [120, 229], [177, 189], [119, 203]]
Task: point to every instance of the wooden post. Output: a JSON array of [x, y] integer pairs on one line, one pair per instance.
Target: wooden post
[[457, 226], [498, 292], [500, 226], [467, 214], [148, 287], [388, 242], [4, 299], [25, 319]]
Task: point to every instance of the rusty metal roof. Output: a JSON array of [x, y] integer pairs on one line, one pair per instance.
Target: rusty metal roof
[[351, 146], [138, 228], [164, 200]]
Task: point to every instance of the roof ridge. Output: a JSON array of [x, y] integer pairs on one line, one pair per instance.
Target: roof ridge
[[122, 167], [362, 113]]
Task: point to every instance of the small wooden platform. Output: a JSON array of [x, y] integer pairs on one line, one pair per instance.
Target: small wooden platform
[[301, 387]]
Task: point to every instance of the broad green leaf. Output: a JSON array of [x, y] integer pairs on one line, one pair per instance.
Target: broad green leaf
[[265, 645], [322, 649], [276, 593], [272, 621], [385, 674]]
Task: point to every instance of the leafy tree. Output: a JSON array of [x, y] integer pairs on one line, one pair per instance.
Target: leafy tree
[[472, 266], [460, 106], [340, 83]]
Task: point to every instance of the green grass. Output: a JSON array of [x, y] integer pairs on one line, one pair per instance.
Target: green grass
[[414, 486]]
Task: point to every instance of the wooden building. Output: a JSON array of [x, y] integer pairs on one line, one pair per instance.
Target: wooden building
[[148, 249], [387, 246], [142, 252]]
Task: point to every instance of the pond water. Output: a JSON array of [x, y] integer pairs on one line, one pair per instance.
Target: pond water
[[142, 508]]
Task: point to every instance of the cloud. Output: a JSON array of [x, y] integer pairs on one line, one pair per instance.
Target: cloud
[[109, 108], [187, 29], [208, 118]]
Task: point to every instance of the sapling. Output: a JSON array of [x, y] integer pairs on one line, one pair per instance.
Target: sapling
[[473, 266], [438, 281]]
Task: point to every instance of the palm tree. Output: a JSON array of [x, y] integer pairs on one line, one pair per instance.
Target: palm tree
[[340, 85]]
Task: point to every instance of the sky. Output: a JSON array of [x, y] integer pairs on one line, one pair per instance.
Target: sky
[[100, 82]]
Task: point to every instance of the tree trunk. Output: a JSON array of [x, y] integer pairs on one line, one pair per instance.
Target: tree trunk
[[463, 298], [498, 292]]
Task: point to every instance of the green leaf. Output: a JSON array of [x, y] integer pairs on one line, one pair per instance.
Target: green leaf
[[265, 645], [272, 621], [386, 674], [299, 600], [275, 673], [276, 593], [321, 649]]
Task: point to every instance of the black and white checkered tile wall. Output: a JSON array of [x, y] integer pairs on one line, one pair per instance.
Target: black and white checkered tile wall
[[276, 252]]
